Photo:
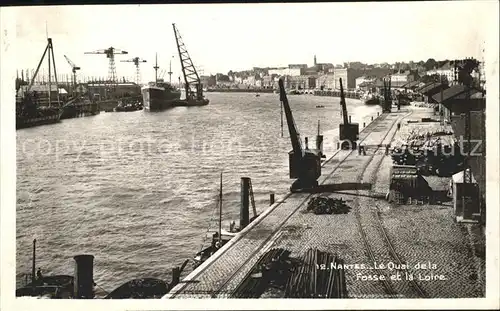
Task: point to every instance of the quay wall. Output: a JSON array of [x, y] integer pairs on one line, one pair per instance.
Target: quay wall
[[178, 290], [252, 90]]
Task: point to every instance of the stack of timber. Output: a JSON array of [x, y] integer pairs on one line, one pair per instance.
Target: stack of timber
[[309, 281], [326, 205], [270, 270]]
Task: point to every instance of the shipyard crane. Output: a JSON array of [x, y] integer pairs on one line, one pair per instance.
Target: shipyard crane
[[348, 132], [305, 163], [136, 61], [110, 54], [52, 65], [74, 68]]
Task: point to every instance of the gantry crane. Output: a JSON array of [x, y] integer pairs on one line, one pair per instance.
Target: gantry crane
[[74, 68], [348, 132], [110, 54], [136, 61], [305, 163]]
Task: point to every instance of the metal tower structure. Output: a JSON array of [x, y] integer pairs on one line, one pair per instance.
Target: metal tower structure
[[74, 68], [110, 54], [188, 70], [52, 64], [136, 61]]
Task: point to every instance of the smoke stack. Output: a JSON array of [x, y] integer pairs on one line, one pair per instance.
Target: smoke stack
[[84, 277]]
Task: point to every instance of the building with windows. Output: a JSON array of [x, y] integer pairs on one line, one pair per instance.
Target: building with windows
[[286, 71], [364, 80], [348, 76], [446, 70]]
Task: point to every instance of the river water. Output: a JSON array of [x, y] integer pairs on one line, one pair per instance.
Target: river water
[[138, 190]]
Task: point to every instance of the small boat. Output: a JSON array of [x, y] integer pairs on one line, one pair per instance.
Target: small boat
[[320, 106], [53, 286], [257, 95], [122, 106], [221, 237]]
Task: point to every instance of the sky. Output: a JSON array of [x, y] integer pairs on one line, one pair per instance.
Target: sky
[[223, 37]]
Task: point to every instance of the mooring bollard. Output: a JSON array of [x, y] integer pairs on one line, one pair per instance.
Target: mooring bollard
[[271, 198], [245, 202]]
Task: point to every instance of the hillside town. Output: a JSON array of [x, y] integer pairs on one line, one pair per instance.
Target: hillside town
[[325, 76]]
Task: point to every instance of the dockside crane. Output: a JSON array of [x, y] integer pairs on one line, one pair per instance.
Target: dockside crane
[[386, 108], [136, 61], [110, 54], [74, 68], [348, 132], [304, 163]]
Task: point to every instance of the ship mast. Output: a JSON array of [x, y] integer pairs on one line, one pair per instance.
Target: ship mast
[[156, 68]]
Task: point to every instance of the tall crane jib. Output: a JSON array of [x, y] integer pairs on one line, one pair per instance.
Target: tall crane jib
[[348, 132], [305, 163], [189, 72], [74, 68]]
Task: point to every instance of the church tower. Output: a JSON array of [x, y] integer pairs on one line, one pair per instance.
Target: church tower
[[315, 61]]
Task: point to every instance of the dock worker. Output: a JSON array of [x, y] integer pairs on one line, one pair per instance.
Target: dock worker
[[361, 148], [39, 275]]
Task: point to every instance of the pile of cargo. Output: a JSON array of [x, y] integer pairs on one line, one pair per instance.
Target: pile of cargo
[[271, 270], [429, 146], [423, 104], [425, 133], [326, 205], [319, 275]]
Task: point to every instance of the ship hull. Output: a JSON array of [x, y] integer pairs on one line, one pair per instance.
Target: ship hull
[[191, 102], [158, 99], [48, 116]]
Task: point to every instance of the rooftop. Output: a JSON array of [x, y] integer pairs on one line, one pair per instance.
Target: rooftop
[[456, 92], [432, 88]]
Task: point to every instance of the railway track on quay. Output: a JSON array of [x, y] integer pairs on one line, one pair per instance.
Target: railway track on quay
[[378, 246], [225, 286]]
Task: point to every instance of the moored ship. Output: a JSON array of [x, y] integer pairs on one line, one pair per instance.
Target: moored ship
[[29, 115], [159, 95], [371, 99]]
